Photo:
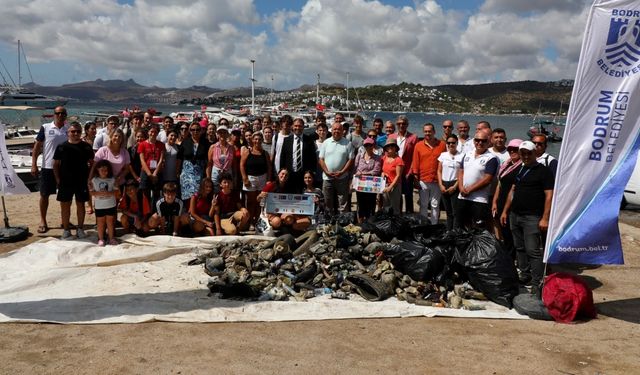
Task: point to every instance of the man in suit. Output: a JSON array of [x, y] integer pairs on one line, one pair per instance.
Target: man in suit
[[406, 142], [298, 155]]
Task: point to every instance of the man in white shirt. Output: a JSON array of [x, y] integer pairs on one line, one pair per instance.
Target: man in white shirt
[[540, 141], [474, 182], [104, 135], [499, 142], [49, 137], [465, 145], [167, 126]]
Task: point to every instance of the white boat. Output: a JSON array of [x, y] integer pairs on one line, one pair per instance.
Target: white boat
[[14, 95], [20, 133], [21, 162]]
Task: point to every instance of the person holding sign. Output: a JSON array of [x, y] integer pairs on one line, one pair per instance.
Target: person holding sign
[[367, 164], [296, 222]]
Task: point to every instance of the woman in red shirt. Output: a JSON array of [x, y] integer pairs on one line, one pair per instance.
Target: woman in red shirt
[[392, 166], [151, 158]]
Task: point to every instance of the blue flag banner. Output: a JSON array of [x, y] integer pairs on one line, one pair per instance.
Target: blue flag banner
[[601, 142]]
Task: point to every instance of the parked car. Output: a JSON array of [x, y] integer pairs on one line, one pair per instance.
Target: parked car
[[632, 190]]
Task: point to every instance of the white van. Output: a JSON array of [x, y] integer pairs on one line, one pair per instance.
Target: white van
[[632, 190]]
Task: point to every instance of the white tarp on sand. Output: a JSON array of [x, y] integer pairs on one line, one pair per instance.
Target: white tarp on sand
[[144, 280]]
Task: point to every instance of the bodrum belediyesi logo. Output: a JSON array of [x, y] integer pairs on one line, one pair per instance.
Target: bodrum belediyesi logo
[[623, 41]]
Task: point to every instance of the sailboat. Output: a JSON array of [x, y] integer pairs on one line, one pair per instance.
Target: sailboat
[[545, 127], [15, 95]]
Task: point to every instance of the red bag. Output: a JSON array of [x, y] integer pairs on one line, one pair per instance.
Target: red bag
[[567, 296]]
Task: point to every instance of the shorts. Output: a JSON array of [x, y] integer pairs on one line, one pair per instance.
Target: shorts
[[48, 183], [257, 183], [204, 217], [230, 221], [66, 193], [102, 212], [147, 184]]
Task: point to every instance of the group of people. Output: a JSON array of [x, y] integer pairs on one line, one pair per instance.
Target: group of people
[[210, 179]]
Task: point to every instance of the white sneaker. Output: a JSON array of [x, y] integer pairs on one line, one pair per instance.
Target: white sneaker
[[80, 233], [66, 235]]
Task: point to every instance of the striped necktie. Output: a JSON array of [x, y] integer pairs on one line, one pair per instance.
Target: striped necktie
[[298, 155]]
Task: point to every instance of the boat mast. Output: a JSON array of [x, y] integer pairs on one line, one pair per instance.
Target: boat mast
[[317, 94], [347, 91], [253, 88], [19, 76]]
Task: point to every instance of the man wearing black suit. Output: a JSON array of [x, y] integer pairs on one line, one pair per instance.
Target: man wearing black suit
[[298, 155]]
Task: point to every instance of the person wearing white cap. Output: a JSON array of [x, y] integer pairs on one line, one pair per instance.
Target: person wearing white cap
[[528, 207], [474, 183]]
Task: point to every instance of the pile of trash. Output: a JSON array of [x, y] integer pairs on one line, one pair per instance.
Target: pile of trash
[[402, 256]]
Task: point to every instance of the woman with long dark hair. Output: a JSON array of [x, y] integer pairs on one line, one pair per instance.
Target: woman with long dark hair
[[194, 160]]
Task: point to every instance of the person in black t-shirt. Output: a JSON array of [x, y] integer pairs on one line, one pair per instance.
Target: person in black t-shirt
[[71, 161], [169, 217], [529, 204]]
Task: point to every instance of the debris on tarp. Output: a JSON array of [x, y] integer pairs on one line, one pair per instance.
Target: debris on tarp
[[417, 262]]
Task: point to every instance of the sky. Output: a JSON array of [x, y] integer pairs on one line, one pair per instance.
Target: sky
[[180, 43]]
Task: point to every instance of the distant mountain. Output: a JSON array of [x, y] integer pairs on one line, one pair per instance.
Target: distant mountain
[[116, 90]]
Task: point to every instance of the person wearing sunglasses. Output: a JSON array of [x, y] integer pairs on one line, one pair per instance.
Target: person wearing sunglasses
[[71, 162], [50, 136], [447, 130], [476, 173], [448, 166], [540, 141], [465, 144]]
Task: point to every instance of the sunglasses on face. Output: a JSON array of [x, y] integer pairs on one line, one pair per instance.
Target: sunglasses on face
[[447, 126], [478, 140], [184, 129], [74, 131], [60, 113], [452, 143]]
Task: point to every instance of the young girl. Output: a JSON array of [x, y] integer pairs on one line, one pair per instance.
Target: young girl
[[105, 197], [318, 197], [135, 208], [200, 208]]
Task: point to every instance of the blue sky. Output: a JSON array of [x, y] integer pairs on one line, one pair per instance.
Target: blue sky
[[209, 42]]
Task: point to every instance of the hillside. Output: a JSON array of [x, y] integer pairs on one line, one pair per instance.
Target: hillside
[[500, 97]]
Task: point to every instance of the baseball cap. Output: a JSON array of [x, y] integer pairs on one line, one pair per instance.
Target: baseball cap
[[527, 145], [514, 143], [368, 141]]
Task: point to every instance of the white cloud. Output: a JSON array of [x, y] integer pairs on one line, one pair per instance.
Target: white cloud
[[169, 41]]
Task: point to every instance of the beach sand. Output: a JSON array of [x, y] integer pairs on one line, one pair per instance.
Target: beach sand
[[609, 344]]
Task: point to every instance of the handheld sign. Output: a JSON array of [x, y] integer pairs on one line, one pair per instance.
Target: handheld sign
[[368, 184], [296, 204]]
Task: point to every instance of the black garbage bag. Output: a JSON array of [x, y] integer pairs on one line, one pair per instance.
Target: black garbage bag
[[385, 225], [345, 218], [488, 266], [414, 259]]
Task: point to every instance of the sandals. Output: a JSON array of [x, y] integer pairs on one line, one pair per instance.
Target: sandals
[[43, 229]]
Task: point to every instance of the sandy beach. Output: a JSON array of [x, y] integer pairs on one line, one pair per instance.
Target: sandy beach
[[607, 345]]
